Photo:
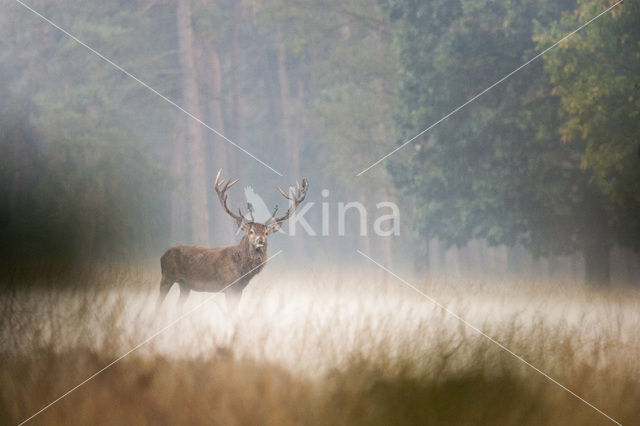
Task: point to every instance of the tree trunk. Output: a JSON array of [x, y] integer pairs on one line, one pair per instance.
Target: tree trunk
[[215, 98], [285, 100], [236, 111], [421, 258], [291, 137], [442, 258], [270, 78], [221, 152], [387, 242], [195, 147], [517, 260], [178, 200], [296, 130], [630, 267], [597, 250], [596, 263], [291, 107], [575, 269]]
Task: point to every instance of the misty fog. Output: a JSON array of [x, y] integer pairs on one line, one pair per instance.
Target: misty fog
[[483, 154]]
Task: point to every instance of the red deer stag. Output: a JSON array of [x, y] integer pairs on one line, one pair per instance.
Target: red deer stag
[[215, 269]]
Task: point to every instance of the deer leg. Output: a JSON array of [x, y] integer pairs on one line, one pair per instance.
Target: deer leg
[[184, 293], [165, 286], [233, 300]]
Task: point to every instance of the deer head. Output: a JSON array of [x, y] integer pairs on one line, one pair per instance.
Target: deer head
[[257, 232]]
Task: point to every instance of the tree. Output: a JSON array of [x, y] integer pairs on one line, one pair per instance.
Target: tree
[[597, 78], [196, 160], [497, 169], [89, 186]]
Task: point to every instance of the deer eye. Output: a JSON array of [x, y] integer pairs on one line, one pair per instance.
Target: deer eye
[[251, 231]]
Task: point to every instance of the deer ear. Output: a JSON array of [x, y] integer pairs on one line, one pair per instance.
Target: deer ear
[[273, 228], [242, 224]]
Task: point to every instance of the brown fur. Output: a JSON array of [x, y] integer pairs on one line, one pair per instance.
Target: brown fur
[[215, 269], [227, 269]]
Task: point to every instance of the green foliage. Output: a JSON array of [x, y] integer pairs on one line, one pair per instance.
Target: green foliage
[[533, 161], [498, 168], [597, 78], [106, 143], [80, 182]]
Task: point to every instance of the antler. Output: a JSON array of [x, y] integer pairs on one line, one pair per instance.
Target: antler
[[221, 189], [300, 194], [251, 210]]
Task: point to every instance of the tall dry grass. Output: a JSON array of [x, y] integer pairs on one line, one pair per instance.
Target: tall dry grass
[[315, 348]]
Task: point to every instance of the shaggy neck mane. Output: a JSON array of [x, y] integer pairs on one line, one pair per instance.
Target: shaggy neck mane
[[250, 256]]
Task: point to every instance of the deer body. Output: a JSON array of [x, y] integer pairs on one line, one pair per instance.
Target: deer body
[[211, 269], [227, 269]]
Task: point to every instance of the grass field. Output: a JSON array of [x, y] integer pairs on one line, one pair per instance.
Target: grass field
[[316, 348]]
